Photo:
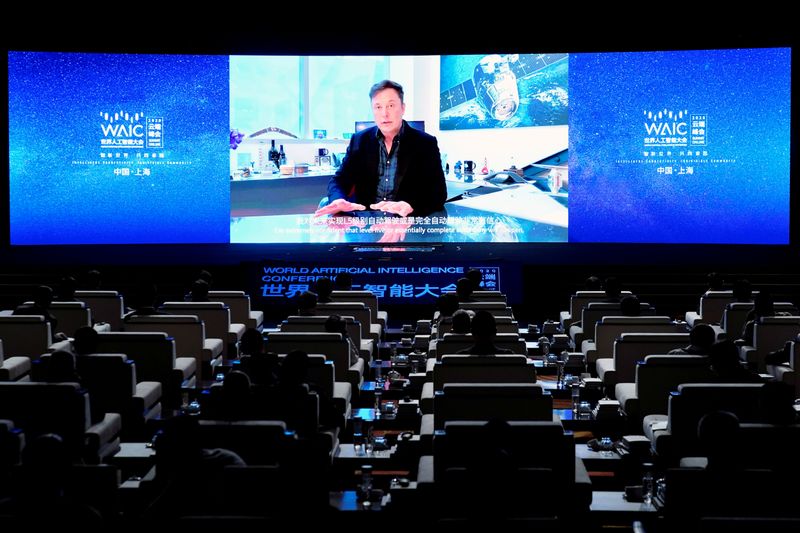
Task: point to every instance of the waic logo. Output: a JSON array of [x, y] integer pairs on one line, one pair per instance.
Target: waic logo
[[666, 128], [125, 130]]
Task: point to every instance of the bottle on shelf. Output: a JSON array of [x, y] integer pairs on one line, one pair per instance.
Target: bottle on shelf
[[275, 156], [282, 156], [365, 488], [576, 396], [647, 483]]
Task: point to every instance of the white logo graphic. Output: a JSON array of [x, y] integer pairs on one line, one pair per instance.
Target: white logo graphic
[[669, 129], [125, 130]]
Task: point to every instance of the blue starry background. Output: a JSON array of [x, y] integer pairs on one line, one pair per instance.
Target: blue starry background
[[746, 95], [55, 101]]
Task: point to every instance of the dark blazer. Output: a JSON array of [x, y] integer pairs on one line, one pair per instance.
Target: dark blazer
[[419, 180]]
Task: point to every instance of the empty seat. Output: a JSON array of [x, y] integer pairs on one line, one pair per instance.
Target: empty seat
[[239, 304], [189, 334], [25, 335], [106, 306], [217, 319], [13, 368]]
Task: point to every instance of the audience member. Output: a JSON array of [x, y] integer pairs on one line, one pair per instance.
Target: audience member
[[484, 330], [42, 298], [144, 301], [726, 365], [613, 289], [343, 282], [66, 290], [61, 368], [701, 338], [199, 291], [188, 474], [446, 304], [324, 290], [464, 290], [762, 306], [593, 283], [336, 324], [630, 305], [462, 322], [307, 304], [476, 277]]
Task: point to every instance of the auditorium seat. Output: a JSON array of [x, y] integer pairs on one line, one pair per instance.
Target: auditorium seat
[[536, 474], [106, 306], [656, 377], [770, 333], [25, 335], [189, 334], [476, 369], [217, 319], [609, 328], [239, 304], [369, 299], [331, 345], [154, 356], [317, 324], [630, 348], [61, 408], [577, 302], [455, 342], [14, 368]]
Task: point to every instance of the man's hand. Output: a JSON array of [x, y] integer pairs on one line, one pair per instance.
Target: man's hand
[[338, 206], [398, 208], [393, 231]]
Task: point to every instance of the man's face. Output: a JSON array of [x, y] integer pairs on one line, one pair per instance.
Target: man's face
[[388, 111]]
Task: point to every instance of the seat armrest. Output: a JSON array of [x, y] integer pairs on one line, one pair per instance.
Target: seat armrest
[[186, 366], [14, 368], [148, 393]]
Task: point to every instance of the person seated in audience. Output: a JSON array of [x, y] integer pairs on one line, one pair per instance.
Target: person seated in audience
[[484, 330], [336, 324], [343, 282], [476, 277], [42, 298], [324, 290], [762, 306], [593, 283], [205, 275], [307, 303], [235, 400], [41, 497], [726, 365], [446, 304], [630, 305], [261, 367], [188, 475], [66, 290], [462, 322], [85, 341], [61, 368], [742, 291], [144, 301], [92, 281], [701, 338], [198, 292], [294, 380], [464, 290], [715, 282], [613, 289]]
